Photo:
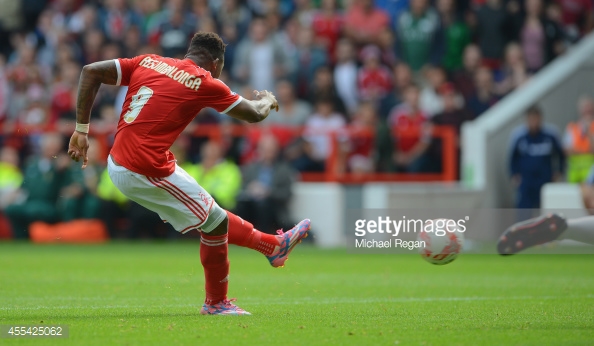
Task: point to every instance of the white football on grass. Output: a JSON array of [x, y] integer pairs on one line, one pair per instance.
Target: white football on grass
[[440, 248]]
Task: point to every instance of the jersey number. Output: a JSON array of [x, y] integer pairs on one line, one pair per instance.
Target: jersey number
[[138, 101]]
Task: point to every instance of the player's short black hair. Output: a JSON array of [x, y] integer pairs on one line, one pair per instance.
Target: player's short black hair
[[208, 43], [534, 110]]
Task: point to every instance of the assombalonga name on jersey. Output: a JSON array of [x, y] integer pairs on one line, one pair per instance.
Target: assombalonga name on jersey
[[172, 72]]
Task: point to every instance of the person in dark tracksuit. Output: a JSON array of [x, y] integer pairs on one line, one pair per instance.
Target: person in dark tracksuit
[[536, 158]]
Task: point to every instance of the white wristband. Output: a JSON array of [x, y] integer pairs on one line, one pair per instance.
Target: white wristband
[[84, 128]]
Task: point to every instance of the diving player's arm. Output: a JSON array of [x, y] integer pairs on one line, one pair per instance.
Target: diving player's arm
[[91, 78], [256, 110]]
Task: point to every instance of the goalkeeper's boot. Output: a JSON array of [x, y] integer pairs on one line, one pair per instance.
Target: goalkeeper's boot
[[531, 232], [287, 242]]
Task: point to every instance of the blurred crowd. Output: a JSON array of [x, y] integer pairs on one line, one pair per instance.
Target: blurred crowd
[[364, 80]]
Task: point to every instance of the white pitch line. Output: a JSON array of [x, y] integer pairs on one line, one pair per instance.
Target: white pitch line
[[308, 300]]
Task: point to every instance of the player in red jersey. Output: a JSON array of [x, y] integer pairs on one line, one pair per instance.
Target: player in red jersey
[[163, 97]]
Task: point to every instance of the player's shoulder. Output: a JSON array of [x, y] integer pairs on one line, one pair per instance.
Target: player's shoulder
[[212, 82], [142, 57], [550, 130]]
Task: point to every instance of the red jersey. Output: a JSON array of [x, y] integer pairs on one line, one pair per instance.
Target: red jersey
[[410, 127], [573, 11], [164, 95], [374, 83], [328, 28]]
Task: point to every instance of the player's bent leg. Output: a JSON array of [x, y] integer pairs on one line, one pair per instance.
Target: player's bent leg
[[179, 200], [288, 241], [276, 248], [535, 231]]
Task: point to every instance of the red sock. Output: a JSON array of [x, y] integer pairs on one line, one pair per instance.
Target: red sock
[[213, 255], [244, 234]]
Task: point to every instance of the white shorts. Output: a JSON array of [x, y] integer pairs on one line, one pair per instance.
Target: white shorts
[[178, 198]]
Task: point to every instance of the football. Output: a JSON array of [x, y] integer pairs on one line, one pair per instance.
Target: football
[[440, 246]]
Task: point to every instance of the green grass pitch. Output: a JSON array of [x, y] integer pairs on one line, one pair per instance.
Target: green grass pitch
[[150, 294]]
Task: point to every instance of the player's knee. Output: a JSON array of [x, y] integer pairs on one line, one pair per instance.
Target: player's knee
[[216, 223], [220, 229]]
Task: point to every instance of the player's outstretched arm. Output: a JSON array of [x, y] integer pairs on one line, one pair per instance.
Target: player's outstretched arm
[[91, 78], [256, 110]]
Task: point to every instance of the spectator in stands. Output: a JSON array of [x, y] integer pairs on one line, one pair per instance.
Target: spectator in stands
[[174, 30], [578, 142], [44, 178], [259, 59], [577, 17], [114, 205], [11, 177], [11, 17], [364, 22], [63, 95], [220, 176], [310, 58], [540, 38], [318, 135], [536, 159], [374, 80], [456, 34], [418, 35], [327, 25], [453, 114], [287, 38], [79, 199], [303, 11], [553, 14], [92, 42], [116, 18], [403, 78], [492, 19], [464, 78], [267, 188], [132, 42], [149, 12], [345, 75], [292, 111], [393, 8], [201, 9], [412, 132], [388, 47], [514, 72], [357, 142], [27, 81], [231, 12], [323, 87], [484, 96], [430, 99], [230, 36], [36, 112]]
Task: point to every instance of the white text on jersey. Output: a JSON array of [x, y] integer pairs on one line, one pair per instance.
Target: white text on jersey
[[172, 72]]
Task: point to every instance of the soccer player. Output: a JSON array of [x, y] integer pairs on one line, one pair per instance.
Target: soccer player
[[543, 229], [163, 97]]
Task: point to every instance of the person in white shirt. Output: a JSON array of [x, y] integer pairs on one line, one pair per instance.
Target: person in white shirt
[[317, 137]]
